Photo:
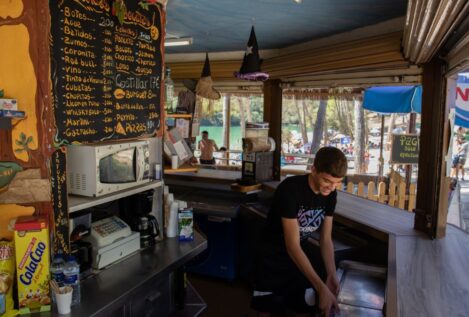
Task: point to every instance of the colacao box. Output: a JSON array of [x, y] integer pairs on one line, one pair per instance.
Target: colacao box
[[186, 225], [8, 104], [32, 264]]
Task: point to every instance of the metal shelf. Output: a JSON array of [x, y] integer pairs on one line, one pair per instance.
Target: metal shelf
[[76, 203]]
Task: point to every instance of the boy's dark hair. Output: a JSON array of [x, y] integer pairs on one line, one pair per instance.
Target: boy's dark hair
[[332, 161], [204, 132]]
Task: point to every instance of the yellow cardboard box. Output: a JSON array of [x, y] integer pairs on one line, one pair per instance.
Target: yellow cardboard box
[[32, 264]]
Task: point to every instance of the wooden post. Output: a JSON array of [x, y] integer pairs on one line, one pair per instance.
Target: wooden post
[[273, 115], [432, 203], [226, 120], [381, 159], [350, 188], [408, 168]]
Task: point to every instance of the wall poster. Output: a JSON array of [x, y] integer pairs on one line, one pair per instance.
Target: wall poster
[[106, 66]]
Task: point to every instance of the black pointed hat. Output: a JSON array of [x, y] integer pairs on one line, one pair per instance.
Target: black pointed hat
[[251, 66], [204, 86], [206, 70]]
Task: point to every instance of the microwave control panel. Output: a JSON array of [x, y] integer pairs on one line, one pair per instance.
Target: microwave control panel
[[146, 162]]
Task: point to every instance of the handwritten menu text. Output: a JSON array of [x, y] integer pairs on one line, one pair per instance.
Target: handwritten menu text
[[106, 69]]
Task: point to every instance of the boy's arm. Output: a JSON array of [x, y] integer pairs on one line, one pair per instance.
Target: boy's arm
[[327, 252], [292, 241]]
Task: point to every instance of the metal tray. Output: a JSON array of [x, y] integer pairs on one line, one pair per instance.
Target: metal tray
[[362, 289], [352, 311]]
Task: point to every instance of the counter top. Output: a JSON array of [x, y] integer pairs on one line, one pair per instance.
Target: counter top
[[425, 277], [379, 217], [431, 275], [112, 287]]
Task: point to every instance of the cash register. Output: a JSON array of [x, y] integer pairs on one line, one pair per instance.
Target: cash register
[[112, 240]]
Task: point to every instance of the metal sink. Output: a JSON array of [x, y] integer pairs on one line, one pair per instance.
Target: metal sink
[[362, 289]]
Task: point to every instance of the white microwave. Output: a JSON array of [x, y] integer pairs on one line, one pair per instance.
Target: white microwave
[[98, 169]]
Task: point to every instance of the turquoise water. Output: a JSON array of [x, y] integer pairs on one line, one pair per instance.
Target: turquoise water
[[216, 133]]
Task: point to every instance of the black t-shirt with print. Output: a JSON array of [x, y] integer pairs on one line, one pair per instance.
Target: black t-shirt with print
[[293, 199]]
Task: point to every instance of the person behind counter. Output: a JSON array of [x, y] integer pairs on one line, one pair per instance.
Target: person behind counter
[[206, 147], [285, 276]]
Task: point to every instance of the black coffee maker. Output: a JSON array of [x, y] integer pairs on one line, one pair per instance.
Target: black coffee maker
[[135, 211], [148, 228]]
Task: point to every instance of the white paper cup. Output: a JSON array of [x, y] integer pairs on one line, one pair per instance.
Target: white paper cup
[[64, 301], [174, 162]]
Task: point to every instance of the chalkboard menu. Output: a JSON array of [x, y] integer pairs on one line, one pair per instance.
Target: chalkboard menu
[[405, 149], [106, 68]]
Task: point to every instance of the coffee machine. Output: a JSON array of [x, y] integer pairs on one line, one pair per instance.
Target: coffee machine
[[148, 228], [135, 211]]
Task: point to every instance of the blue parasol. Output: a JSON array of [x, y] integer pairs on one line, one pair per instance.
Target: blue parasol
[[393, 99]]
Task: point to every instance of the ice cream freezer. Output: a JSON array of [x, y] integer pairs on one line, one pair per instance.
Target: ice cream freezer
[[362, 289]]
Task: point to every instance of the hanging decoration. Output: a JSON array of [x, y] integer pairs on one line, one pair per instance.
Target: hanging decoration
[[204, 87], [251, 66]]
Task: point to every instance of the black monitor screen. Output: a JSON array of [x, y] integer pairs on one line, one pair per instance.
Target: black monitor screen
[[118, 167]]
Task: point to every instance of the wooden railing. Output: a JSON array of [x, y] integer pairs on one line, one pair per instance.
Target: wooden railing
[[396, 195]]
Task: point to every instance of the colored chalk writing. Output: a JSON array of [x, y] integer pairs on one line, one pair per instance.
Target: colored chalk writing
[[106, 70], [405, 149]]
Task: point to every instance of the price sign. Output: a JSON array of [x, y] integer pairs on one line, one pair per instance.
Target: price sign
[[106, 69], [405, 149]]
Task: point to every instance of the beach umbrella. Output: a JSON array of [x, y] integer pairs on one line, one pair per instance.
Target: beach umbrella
[[393, 99]]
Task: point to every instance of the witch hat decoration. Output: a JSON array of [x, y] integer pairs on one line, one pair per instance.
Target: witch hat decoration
[[204, 86], [251, 66]]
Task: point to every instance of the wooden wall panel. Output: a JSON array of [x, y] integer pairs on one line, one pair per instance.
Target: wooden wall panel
[[24, 75]]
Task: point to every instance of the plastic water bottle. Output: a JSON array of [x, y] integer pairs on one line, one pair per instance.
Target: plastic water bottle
[[72, 278], [57, 271]]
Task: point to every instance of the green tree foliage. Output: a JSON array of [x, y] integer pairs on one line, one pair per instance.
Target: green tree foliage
[[212, 111]]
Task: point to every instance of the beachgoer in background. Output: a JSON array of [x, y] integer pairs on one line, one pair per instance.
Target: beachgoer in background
[[206, 147]]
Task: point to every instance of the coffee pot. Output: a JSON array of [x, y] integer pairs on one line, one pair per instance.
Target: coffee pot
[[148, 228]]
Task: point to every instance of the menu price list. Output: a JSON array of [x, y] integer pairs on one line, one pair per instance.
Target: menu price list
[[106, 70]]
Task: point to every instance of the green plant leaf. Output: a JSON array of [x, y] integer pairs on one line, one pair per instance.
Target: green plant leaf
[[22, 136], [30, 139], [19, 151], [19, 143]]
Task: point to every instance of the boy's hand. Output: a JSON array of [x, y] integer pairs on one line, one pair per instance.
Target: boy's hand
[[327, 301], [333, 284]]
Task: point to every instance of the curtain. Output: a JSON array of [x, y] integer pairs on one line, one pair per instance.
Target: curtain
[[428, 25]]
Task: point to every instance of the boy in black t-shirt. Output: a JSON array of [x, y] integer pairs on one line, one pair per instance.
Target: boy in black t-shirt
[[301, 205]]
